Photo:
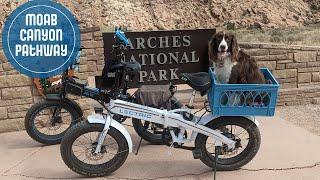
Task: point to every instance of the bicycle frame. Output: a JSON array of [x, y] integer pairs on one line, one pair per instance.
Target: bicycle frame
[[167, 118]]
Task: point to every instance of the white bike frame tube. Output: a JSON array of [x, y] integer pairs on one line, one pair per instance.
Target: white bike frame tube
[[165, 118]]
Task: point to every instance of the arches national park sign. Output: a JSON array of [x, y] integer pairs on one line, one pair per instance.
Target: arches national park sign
[[163, 55]]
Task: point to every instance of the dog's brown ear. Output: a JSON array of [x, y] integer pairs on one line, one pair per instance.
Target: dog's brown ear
[[212, 50], [234, 49]]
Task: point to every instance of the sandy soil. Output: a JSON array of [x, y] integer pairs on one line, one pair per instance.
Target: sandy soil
[[307, 116]]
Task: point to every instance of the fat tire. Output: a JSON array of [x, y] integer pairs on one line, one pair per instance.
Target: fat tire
[[86, 169], [35, 109], [155, 139], [241, 159]]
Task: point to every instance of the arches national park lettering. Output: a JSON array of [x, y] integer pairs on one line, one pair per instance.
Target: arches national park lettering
[[162, 58], [34, 38], [163, 55]]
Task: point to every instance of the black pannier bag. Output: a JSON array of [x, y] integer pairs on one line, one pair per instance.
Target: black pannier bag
[[75, 87], [109, 75], [157, 96], [113, 74]]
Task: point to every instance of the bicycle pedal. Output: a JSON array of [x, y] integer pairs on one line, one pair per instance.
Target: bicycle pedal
[[196, 153]]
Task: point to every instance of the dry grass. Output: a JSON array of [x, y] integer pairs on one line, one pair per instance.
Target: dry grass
[[307, 36]]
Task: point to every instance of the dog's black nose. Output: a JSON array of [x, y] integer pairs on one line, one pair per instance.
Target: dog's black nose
[[223, 47]]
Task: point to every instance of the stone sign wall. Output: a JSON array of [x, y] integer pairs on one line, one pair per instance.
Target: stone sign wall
[[296, 67], [163, 55]]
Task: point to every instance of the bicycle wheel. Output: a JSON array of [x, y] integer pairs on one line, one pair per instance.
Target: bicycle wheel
[[47, 121], [79, 144], [243, 131]]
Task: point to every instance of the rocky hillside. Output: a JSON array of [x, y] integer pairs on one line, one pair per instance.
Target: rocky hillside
[[184, 14]]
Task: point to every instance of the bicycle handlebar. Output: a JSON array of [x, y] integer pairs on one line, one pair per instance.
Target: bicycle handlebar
[[122, 37]]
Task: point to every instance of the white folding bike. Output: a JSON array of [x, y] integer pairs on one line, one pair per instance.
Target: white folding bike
[[100, 145]]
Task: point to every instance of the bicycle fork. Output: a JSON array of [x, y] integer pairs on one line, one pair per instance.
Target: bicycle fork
[[103, 134]]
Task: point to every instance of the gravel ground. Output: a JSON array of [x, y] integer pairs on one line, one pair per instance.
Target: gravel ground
[[307, 116]]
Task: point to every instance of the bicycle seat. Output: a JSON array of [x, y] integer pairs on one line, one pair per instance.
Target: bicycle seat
[[133, 67], [200, 81]]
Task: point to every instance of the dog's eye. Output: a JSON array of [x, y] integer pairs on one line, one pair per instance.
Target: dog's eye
[[227, 38], [219, 39]]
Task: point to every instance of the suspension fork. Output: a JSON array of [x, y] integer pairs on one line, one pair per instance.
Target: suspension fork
[[57, 110], [56, 113], [103, 134]]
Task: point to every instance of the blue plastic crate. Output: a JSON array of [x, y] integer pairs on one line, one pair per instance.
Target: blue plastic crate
[[243, 99]]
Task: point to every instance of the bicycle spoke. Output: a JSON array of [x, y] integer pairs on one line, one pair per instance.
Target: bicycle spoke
[[49, 122], [87, 138], [110, 144], [81, 146], [244, 130], [108, 150], [120, 152], [79, 154]]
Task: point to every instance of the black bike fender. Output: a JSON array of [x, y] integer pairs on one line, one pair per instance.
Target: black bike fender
[[75, 105], [52, 97], [70, 102]]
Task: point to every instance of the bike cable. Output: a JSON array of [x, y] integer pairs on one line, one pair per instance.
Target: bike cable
[[201, 116]]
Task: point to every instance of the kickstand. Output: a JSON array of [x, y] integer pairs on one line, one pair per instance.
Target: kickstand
[[216, 154], [138, 146]]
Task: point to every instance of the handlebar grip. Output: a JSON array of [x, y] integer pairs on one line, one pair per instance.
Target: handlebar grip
[[120, 34]]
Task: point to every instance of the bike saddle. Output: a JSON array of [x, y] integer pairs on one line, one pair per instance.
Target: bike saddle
[[133, 67], [200, 81]]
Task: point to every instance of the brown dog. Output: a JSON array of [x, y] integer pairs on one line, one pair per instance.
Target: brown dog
[[232, 65]]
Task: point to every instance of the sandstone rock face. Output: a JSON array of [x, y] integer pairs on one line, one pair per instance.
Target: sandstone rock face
[[172, 14]]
